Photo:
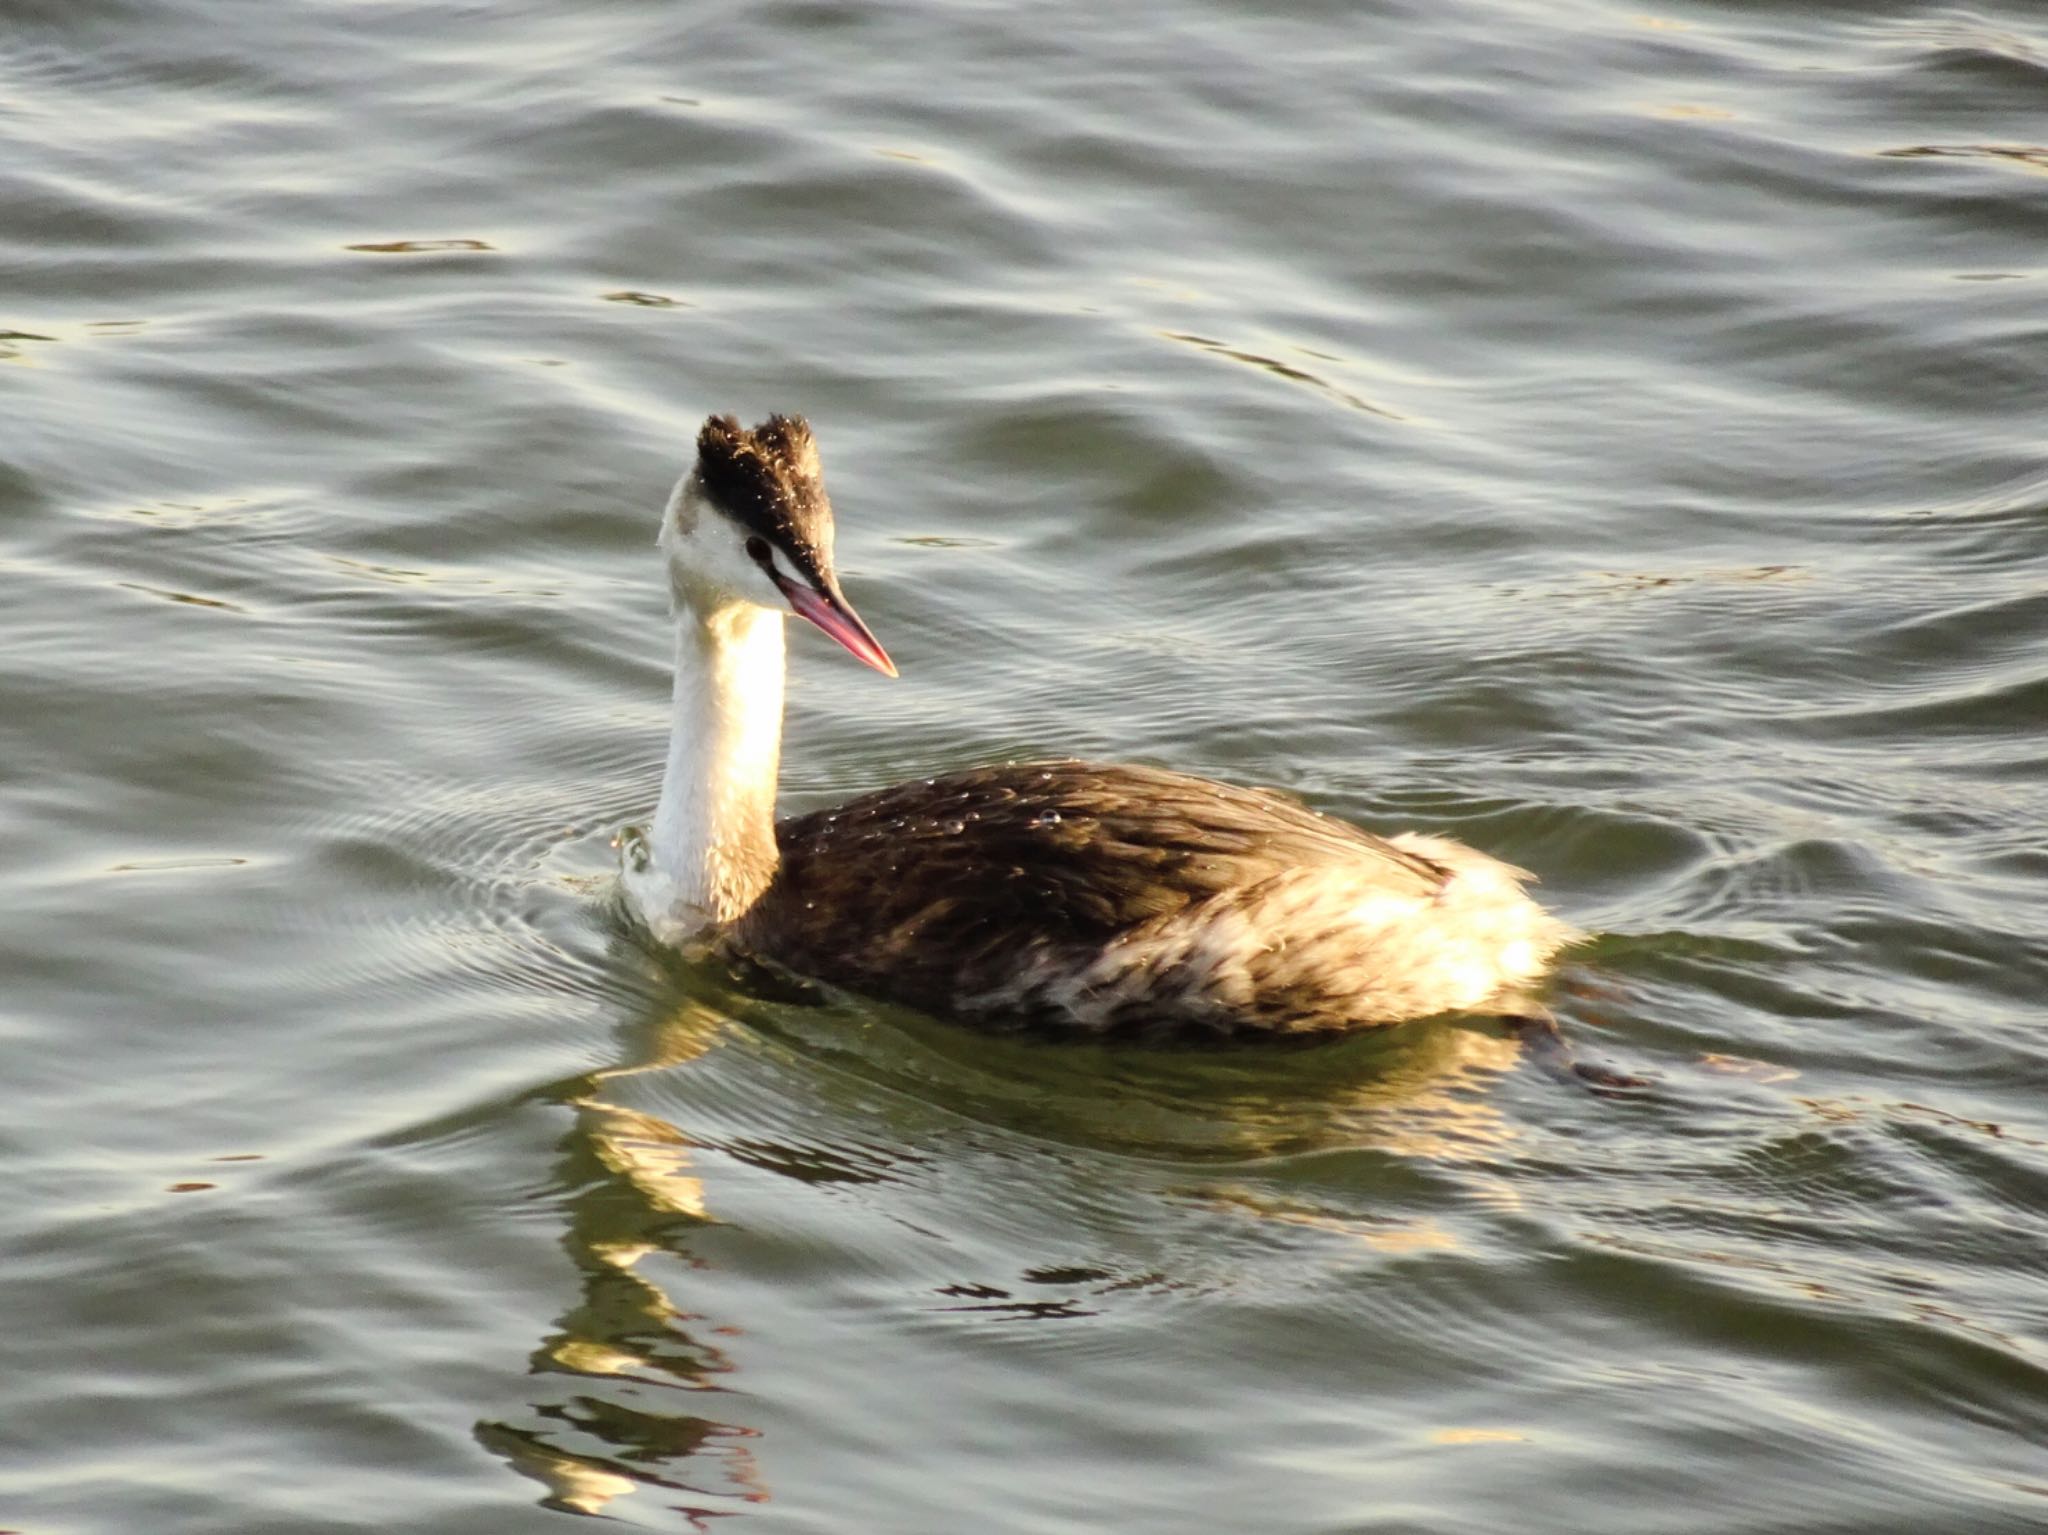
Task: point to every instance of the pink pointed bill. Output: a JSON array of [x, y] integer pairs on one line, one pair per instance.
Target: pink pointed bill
[[837, 618]]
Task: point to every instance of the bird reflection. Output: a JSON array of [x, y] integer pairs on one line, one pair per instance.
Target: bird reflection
[[606, 1419], [625, 1345]]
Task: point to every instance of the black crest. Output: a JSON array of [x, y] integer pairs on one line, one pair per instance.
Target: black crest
[[768, 481]]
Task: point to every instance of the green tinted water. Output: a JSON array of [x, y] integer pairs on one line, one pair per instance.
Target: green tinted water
[[1608, 436]]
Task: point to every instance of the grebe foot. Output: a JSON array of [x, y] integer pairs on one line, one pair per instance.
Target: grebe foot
[[1549, 1049]]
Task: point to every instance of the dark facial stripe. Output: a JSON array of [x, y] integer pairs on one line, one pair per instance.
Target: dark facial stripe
[[767, 481], [760, 552]]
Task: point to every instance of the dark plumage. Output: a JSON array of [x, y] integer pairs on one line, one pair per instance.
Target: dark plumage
[[938, 892], [767, 480]]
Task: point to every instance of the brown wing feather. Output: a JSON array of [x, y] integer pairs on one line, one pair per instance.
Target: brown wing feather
[[938, 887]]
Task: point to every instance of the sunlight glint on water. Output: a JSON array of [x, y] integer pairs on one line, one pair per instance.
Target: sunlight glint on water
[[1608, 437]]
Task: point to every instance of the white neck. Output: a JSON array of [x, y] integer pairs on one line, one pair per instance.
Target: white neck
[[712, 849]]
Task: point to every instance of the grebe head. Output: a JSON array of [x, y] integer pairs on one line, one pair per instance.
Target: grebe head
[[750, 523]]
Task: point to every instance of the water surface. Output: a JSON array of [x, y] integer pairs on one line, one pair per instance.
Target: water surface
[[1610, 436]]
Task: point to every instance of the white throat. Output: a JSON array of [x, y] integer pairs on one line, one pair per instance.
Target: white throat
[[712, 848]]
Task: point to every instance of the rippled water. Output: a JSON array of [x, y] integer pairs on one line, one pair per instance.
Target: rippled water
[[1610, 436]]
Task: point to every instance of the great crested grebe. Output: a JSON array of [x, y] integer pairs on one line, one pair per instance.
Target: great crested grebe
[[1086, 895]]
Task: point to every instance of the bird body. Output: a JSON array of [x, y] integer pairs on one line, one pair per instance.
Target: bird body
[[1064, 894], [1126, 899]]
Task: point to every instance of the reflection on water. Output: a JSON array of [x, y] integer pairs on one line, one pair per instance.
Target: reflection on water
[[1286, 370], [638, 1203], [420, 247], [625, 1342]]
